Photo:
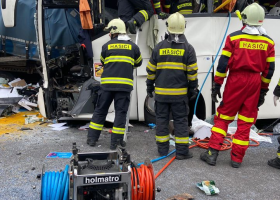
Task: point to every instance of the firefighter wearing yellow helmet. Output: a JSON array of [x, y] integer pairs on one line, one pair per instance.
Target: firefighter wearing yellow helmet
[[119, 57], [172, 75]]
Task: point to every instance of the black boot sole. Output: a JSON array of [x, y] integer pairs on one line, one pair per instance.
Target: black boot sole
[[92, 144], [235, 164], [184, 157], [271, 164], [205, 159]]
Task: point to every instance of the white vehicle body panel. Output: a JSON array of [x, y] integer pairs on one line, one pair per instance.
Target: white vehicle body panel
[[8, 14], [205, 34]]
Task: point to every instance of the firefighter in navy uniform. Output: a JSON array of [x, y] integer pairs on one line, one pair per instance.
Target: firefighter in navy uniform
[[119, 57], [276, 161], [249, 56], [172, 73], [144, 8], [184, 7]]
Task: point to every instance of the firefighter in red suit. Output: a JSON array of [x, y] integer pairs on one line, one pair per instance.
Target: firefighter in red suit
[[249, 57]]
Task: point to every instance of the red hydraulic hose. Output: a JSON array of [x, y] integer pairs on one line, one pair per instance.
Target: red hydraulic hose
[[142, 183], [165, 166]]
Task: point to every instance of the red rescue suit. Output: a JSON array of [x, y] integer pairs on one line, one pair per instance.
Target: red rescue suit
[[250, 60]]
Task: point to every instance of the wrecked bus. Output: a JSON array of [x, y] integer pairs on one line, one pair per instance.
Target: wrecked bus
[[66, 80]]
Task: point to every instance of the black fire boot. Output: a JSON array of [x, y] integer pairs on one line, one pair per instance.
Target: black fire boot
[[163, 148], [274, 163], [235, 164], [210, 156], [91, 142], [113, 146], [183, 157], [131, 24]]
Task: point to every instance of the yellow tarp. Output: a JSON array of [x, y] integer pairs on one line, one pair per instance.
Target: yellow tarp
[[15, 122]]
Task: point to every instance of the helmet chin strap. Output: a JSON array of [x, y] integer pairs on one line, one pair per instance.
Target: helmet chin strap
[[176, 38]]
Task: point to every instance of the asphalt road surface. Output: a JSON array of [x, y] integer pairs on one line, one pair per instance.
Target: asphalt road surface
[[23, 155]]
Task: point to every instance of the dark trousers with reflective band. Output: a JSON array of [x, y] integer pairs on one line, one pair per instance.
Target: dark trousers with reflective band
[[121, 103], [240, 96], [126, 10], [179, 112]]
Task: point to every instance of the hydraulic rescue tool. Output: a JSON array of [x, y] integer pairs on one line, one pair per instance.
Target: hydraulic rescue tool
[[100, 176]]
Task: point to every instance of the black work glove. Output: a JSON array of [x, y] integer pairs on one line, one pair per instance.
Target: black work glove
[[216, 91], [262, 95], [150, 90], [98, 28], [193, 93], [163, 15]]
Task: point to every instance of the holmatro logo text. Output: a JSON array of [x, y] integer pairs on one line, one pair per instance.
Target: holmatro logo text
[[102, 179]]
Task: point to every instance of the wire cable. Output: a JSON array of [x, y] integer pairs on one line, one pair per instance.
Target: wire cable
[[210, 69]]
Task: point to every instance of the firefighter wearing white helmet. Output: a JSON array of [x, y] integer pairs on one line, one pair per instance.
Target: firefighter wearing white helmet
[[248, 62], [253, 15], [119, 57], [176, 24], [172, 76], [116, 26]]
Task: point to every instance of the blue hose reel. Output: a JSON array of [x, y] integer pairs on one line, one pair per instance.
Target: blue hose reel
[[55, 185]]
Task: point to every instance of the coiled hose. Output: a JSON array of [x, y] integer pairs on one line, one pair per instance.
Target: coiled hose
[[142, 183], [55, 185]]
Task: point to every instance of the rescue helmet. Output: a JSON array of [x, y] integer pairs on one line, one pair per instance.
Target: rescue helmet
[[176, 23], [116, 26], [253, 15]]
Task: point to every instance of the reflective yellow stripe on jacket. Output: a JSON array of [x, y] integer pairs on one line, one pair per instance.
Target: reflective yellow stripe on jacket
[[171, 91], [226, 53], [192, 77], [192, 67], [270, 59], [265, 80], [185, 12], [145, 14], [151, 76], [219, 74], [117, 80], [171, 65], [138, 60], [157, 5], [167, 6], [151, 67], [252, 37], [101, 58], [126, 59]]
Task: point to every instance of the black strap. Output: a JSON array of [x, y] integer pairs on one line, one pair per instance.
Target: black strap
[[4, 44], [27, 49]]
